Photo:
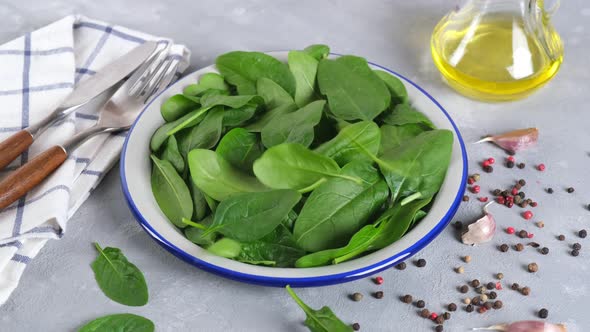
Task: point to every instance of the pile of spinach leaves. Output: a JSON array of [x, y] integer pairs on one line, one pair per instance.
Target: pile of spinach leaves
[[306, 163]]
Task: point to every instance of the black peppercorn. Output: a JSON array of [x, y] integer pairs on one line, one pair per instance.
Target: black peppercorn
[[583, 233], [447, 315], [570, 190], [458, 225], [452, 307], [522, 182], [517, 186], [521, 194], [488, 305], [543, 313], [356, 326], [577, 246], [510, 164], [465, 198], [464, 289], [425, 313], [407, 298], [561, 237], [521, 165], [421, 262], [476, 300], [515, 286], [401, 266], [496, 192], [475, 283], [550, 190], [575, 252], [469, 308], [505, 193], [504, 247], [490, 285], [439, 319], [523, 234], [519, 247], [488, 169], [544, 250], [379, 295], [498, 304], [525, 291], [439, 328], [493, 295]]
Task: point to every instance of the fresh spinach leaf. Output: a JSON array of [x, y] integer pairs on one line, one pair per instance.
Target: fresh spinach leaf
[[205, 135], [189, 120], [240, 148], [172, 154], [294, 127], [199, 201], [225, 247], [119, 323], [289, 221], [353, 90], [317, 51], [250, 216], [272, 93], [394, 136], [344, 148], [217, 178], [177, 106], [118, 278], [339, 208], [275, 249], [170, 192], [261, 122], [404, 114], [244, 69], [304, 68], [230, 101], [161, 134], [397, 89], [211, 203], [206, 81], [234, 117], [197, 235], [322, 320], [292, 166]]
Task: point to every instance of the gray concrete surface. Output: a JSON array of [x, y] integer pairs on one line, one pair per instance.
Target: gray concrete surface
[[58, 291]]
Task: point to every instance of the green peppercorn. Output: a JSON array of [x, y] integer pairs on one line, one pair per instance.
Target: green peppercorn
[[357, 297]]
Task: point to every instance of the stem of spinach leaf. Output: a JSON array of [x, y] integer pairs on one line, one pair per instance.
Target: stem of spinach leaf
[[106, 257], [411, 198], [312, 186], [303, 306], [193, 224]]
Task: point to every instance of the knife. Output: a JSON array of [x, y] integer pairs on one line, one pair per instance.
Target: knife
[[114, 72]]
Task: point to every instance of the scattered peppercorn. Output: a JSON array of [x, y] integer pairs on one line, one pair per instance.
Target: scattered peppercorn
[[515, 286], [541, 167], [421, 262], [504, 247], [488, 305], [583, 233], [510, 230], [433, 315], [488, 169], [493, 295], [543, 313], [524, 204], [401, 266], [501, 200], [460, 269], [570, 190], [510, 164], [522, 234], [447, 315], [476, 177], [379, 295], [544, 250], [517, 199], [575, 252], [490, 285], [480, 290], [476, 300], [476, 189], [519, 247], [439, 328], [533, 267], [534, 204], [481, 310], [514, 192], [518, 186], [425, 313], [521, 165], [500, 276], [407, 298], [561, 237], [356, 326], [588, 206], [470, 180], [469, 308], [467, 300], [357, 297], [505, 193], [577, 246], [467, 259], [378, 280], [439, 320], [464, 289], [498, 304], [540, 224], [452, 307], [465, 198], [496, 192], [458, 225], [525, 291], [527, 215], [482, 199], [522, 182], [521, 194], [550, 190], [483, 297], [533, 244], [475, 283], [420, 304]]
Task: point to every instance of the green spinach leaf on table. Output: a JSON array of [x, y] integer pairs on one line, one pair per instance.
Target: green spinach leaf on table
[[119, 323], [353, 90], [250, 216], [171, 192], [293, 166], [397, 89], [339, 207], [294, 127], [322, 320], [119, 279], [240, 148], [217, 178], [304, 68], [344, 147], [244, 69], [172, 154], [272, 93]]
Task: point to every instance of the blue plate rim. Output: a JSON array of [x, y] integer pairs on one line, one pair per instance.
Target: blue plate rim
[[304, 281]]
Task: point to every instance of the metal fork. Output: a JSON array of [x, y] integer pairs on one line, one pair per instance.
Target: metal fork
[[118, 114]]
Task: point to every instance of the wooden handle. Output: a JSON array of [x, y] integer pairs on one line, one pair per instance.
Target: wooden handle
[[13, 146], [28, 176]]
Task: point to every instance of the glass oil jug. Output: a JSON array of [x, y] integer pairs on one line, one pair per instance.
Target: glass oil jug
[[497, 50]]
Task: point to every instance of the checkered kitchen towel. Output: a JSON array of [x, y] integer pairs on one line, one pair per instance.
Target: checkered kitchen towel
[[37, 72]]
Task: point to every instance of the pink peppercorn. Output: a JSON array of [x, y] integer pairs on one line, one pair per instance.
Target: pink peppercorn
[[514, 191], [476, 189], [433, 316], [500, 200], [527, 214], [530, 235], [533, 204], [510, 204], [498, 285], [491, 160], [471, 181], [510, 198], [379, 280], [486, 163], [511, 158], [510, 230], [541, 167], [482, 199]]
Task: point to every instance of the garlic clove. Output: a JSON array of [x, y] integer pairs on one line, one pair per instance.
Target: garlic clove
[[525, 326], [482, 230], [515, 140]]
